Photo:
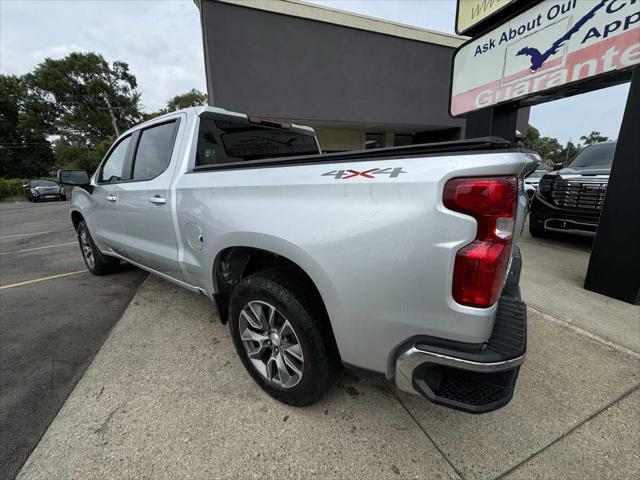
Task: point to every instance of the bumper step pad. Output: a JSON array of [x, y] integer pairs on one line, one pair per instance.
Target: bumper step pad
[[480, 391], [470, 392]]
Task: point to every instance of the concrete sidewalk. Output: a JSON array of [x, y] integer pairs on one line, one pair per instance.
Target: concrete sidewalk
[[167, 397], [552, 283]]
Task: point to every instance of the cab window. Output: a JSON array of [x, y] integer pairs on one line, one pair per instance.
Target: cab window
[[113, 165], [154, 150]]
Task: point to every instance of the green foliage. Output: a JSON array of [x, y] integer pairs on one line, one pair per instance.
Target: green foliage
[[24, 146], [569, 151], [549, 148], [551, 151], [12, 187], [71, 155], [91, 100], [594, 137], [193, 98]]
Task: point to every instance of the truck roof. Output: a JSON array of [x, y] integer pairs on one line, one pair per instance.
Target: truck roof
[[219, 111]]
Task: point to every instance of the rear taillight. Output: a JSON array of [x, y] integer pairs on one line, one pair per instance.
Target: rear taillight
[[481, 266]]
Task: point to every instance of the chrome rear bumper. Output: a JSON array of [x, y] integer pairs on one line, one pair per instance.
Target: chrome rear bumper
[[473, 378]]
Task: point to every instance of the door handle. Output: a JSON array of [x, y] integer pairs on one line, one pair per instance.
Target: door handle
[[158, 200], [112, 198]]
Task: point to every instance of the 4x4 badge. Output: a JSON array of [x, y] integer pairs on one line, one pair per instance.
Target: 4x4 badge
[[371, 173]]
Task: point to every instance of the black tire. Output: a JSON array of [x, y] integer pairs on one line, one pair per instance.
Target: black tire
[[538, 232], [298, 303], [101, 264]]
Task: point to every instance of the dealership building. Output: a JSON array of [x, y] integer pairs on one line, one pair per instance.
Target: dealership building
[[359, 82]]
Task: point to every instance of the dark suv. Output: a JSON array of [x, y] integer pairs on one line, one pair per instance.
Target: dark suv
[[570, 200], [37, 190]]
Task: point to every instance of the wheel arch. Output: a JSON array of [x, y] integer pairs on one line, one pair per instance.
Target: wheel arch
[[237, 260], [76, 218]]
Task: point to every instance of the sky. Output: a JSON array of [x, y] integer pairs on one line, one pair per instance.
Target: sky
[[161, 41]]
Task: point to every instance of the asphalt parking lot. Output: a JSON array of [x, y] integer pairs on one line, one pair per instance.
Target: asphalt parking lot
[[54, 316], [166, 397]]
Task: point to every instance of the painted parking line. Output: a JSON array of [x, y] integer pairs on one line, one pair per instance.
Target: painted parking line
[[43, 279], [40, 223], [39, 248], [28, 234]]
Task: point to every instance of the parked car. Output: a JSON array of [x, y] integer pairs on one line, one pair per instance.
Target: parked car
[[398, 260], [570, 200], [531, 182], [37, 190]]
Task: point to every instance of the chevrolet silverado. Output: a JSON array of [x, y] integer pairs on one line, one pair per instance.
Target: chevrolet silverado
[[400, 260]]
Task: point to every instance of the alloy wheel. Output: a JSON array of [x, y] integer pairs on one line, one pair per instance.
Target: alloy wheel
[[271, 344], [87, 251]]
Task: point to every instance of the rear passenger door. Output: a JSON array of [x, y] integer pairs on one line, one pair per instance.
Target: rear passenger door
[[145, 200]]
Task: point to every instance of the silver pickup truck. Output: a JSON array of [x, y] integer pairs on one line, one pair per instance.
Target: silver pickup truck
[[396, 260]]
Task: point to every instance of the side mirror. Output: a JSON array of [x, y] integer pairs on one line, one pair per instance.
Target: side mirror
[[25, 185], [77, 178]]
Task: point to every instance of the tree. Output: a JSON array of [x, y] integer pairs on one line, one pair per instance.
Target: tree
[[594, 137], [193, 98], [569, 151], [92, 101], [25, 150], [547, 147]]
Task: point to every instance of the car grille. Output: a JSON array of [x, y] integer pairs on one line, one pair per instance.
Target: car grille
[[585, 196]]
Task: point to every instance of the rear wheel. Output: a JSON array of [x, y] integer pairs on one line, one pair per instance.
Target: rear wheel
[[282, 336], [96, 262]]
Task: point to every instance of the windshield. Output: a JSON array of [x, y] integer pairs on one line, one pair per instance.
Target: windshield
[[43, 183], [598, 155]]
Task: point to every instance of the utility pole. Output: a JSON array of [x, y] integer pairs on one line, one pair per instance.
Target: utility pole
[[113, 117]]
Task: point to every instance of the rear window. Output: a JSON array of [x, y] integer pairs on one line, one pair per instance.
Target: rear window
[[231, 142], [599, 155]]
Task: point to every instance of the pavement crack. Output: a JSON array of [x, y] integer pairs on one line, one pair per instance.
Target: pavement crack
[[426, 434], [571, 430], [104, 427]]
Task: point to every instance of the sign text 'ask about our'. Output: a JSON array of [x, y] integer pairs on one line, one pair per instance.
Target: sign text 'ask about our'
[[553, 44]]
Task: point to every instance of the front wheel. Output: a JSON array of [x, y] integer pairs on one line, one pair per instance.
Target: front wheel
[[282, 336], [96, 262], [538, 232]]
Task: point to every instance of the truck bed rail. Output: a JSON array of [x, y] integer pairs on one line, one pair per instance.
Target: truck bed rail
[[481, 144]]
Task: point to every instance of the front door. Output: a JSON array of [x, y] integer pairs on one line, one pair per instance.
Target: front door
[[144, 202], [103, 220]]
